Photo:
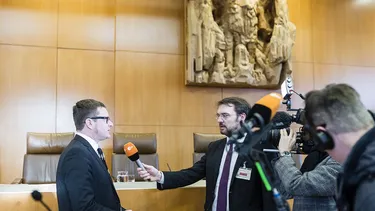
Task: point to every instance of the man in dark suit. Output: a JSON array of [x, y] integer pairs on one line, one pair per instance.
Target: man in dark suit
[[82, 180], [232, 181]]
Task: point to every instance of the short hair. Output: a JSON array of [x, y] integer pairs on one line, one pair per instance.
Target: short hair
[[240, 104], [338, 108], [84, 109]]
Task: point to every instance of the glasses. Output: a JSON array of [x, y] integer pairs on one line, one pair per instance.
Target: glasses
[[223, 116], [100, 117]]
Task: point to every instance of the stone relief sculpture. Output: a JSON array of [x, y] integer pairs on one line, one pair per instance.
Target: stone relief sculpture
[[238, 43]]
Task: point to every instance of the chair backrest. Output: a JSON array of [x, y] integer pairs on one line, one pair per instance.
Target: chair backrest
[[42, 156], [146, 144], [201, 142]]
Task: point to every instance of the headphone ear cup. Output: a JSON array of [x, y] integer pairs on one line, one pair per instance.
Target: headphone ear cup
[[325, 140]]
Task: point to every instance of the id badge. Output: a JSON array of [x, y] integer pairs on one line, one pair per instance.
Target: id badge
[[244, 173]]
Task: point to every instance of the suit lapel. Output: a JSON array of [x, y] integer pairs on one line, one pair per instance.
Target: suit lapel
[[91, 150], [93, 153]]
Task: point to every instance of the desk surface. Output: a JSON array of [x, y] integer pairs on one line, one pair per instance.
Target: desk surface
[[25, 188], [16, 197]]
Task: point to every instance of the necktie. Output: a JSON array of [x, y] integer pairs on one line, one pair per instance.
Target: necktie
[[223, 186], [100, 151]]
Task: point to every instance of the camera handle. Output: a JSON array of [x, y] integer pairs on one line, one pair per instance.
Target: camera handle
[[287, 100]]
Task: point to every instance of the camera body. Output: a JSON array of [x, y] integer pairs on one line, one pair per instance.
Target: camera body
[[282, 120], [304, 141]]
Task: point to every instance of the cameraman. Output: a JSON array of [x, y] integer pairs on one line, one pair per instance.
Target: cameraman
[[313, 186], [345, 129]]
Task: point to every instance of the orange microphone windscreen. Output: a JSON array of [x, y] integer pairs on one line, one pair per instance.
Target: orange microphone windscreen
[[271, 101], [130, 149]]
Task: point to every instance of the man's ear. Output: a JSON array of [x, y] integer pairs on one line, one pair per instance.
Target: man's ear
[[242, 117], [320, 128], [89, 123]]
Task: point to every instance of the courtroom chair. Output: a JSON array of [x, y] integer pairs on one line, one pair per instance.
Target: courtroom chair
[[146, 144], [42, 156], [201, 142]]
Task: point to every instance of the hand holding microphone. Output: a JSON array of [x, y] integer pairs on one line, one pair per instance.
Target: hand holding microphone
[[150, 173], [131, 152]]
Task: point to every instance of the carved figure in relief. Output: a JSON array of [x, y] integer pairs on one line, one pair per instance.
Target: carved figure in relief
[[246, 42], [250, 29], [209, 28], [217, 75]]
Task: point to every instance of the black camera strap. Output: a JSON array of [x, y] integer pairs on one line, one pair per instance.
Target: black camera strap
[[312, 160]]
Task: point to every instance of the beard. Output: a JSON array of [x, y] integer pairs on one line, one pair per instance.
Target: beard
[[224, 130]]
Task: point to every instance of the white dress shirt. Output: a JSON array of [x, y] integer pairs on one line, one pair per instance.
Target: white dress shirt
[[91, 141]]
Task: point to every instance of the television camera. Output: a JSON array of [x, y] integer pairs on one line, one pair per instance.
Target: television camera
[[282, 120]]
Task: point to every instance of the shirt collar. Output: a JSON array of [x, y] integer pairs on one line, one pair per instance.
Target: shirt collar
[[241, 140], [91, 141]]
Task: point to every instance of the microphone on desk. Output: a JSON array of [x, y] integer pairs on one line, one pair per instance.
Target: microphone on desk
[[169, 168], [37, 196]]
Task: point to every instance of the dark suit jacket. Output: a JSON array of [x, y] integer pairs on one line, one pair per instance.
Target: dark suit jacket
[[244, 195], [83, 181]]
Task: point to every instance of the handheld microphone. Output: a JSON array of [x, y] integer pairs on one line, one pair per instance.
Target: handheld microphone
[[132, 153], [259, 116], [37, 196], [264, 110]]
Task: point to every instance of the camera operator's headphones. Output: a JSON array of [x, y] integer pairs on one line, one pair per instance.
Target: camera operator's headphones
[[322, 138]]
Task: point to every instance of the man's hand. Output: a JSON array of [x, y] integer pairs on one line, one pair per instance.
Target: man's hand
[[151, 173], [286, 141]]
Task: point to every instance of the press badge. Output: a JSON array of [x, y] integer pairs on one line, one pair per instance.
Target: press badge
[[243, 172]]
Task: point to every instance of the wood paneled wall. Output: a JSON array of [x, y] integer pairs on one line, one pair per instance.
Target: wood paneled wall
[[130, 55]]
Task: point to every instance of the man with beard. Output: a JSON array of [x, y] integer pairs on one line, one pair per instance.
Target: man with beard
[[232, 181]]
